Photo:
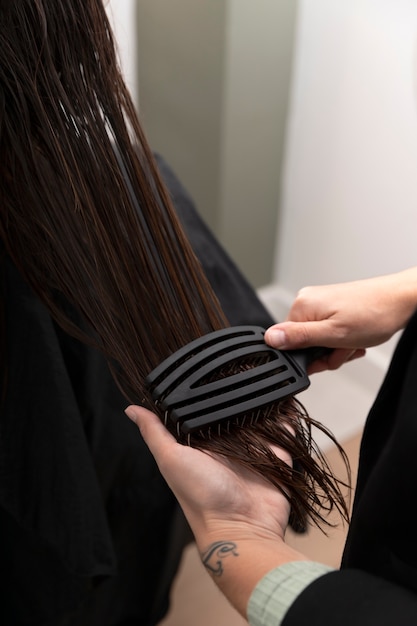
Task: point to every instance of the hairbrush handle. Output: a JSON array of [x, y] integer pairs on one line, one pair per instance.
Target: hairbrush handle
[[307, 356]]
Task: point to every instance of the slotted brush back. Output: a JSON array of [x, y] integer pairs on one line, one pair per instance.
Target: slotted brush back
[[220, 377]]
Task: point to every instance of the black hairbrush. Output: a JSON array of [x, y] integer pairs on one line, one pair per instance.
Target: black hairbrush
[[195, 392]]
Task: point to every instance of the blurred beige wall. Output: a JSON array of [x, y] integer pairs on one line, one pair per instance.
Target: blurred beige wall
[[181, 75], [213, 90]]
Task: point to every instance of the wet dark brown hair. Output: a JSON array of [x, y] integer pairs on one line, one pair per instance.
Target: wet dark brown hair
[[85, 217]]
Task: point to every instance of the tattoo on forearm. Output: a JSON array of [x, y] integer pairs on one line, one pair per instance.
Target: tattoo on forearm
[[216, 552]]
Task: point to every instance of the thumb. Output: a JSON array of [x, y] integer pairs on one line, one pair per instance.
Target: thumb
[[156, 436], [294, 335]]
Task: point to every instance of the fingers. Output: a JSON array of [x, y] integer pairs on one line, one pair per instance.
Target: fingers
[[335, 359], [292, 335], [344, 355], [156, 436], [297, 335]]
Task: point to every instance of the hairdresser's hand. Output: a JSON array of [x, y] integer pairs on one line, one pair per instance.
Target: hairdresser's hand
[[238, 520], [212, 491], [348, 317]]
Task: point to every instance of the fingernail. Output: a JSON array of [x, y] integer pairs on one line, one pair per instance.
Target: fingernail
[[276, 338], [130, 413]]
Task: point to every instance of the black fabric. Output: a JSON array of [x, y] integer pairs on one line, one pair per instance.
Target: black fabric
[[90, 533], [382, 534], [378, 580], [353, 598], [82, 501]]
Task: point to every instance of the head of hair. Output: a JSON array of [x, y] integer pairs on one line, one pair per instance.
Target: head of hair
[[85, 217]]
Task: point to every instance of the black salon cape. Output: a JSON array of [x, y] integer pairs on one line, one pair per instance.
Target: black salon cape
[[377, 585], [87, 524]]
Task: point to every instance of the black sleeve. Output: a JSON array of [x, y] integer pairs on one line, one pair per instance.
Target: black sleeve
[[237, 297], [353, 598], [382, 536]]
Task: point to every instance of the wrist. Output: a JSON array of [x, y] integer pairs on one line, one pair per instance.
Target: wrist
[[241, 526], [210, 530], [237, 558]]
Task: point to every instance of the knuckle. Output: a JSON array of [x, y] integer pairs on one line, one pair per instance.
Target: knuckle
[[299, 334]]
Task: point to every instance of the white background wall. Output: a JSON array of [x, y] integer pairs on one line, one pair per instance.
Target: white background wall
[[258, 63], [349, 205], [349, 184], [214, 78], [122, 18]]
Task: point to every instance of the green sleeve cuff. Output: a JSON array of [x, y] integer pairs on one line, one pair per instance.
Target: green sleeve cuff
[[274, 594]]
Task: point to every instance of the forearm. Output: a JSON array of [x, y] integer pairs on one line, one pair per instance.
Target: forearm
[[379, 306], [406, 290]]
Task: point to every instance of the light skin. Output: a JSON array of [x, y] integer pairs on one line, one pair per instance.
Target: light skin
[[348, 317], [238, 520]]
